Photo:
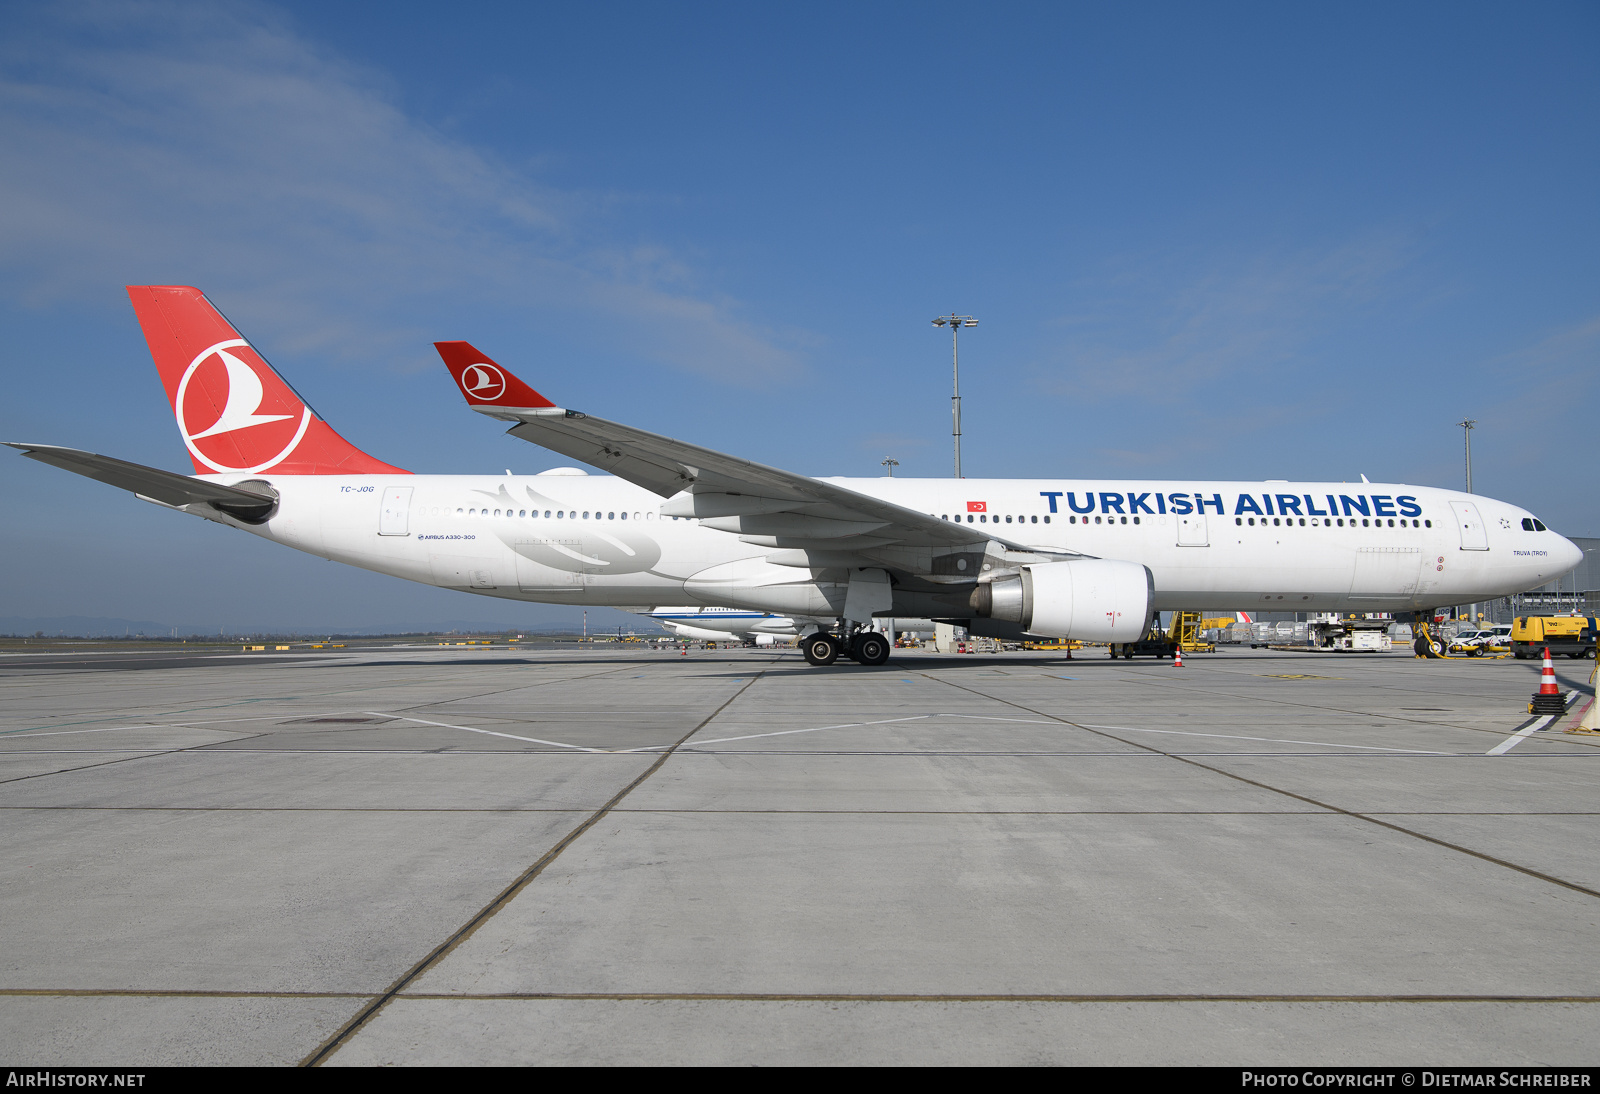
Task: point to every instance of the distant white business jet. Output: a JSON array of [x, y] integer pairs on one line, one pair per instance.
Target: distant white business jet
[[674, 523]]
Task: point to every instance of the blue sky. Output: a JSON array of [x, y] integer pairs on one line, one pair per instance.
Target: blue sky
[[1230, 240]]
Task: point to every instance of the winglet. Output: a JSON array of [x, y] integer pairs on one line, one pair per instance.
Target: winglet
[[487, 386]]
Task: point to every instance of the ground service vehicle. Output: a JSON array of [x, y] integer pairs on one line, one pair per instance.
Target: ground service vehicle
[[1572, 635], [1473, 643]]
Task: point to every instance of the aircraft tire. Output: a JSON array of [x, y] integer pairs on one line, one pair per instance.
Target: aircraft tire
[[820, 649], [870, 649]]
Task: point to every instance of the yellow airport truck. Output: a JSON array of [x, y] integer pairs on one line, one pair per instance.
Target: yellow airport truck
[[1572, 635]]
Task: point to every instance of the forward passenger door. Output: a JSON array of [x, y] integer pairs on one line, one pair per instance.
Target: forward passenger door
[[1474, 537]]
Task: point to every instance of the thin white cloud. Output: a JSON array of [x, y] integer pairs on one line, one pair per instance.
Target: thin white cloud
[[212, 144], [1160, 335]]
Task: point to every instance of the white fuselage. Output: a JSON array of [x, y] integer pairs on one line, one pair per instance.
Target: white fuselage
[[714, 623], [599, 540]]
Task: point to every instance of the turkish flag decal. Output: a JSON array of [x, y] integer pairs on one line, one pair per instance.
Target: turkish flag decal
[[977, 507]]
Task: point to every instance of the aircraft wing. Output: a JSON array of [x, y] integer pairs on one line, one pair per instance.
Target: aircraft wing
[[165, 487], [764, 506]]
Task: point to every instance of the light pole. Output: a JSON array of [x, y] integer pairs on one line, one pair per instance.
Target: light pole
[[891, 465], [955, 323], [1466, 425]]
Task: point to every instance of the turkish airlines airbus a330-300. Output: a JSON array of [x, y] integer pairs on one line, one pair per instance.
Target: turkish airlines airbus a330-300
[[673, 523]]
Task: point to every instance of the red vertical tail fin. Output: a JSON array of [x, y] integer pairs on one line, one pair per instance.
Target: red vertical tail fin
[[234, 412]]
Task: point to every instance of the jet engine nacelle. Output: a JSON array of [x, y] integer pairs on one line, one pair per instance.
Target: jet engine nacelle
[[1091, 599], [701, 634]]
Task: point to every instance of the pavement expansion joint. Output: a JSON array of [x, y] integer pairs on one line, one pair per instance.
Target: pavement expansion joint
[[1370, 819], [890, 863], [466, 931]]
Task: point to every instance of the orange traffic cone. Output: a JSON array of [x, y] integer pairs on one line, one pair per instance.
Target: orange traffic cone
[[1548, 699], [1177, 657], [683, 650]]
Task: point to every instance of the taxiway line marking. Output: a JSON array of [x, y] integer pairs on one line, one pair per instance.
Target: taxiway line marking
[[1353, 814], [1521, 735], [359, 1020], [489, 732], [786, 732], [108, 729], [1271, 740]]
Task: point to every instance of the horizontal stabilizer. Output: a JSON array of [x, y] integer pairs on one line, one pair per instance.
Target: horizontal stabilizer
[[165, 487]]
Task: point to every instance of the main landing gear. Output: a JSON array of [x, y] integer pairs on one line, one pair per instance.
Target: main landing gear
[[866, 647]]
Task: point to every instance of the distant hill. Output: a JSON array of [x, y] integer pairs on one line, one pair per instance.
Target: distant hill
[[85, 626]]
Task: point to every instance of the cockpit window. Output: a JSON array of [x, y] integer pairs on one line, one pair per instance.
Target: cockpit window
[[1527, 524], [1538, 525]]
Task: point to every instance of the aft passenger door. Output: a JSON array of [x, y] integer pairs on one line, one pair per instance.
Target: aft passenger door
[[395, 516], [1473, 535]]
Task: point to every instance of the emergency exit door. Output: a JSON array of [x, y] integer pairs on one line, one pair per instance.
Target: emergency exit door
[[1192, 530], [394, 518]]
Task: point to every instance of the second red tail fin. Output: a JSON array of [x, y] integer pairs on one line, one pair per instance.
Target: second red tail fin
[[234, 412]]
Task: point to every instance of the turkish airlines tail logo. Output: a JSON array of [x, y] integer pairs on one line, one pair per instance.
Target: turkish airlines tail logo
[[485, 383], [234, 412], [245, 395]]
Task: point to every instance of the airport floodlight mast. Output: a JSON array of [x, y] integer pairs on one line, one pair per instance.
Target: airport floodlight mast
[[955, 323], [1466, 425], [891, 465]]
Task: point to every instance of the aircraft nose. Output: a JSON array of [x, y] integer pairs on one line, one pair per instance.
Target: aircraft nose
[[1567, 555]]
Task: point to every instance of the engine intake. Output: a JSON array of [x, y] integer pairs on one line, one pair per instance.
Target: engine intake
[[1091, 599]]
